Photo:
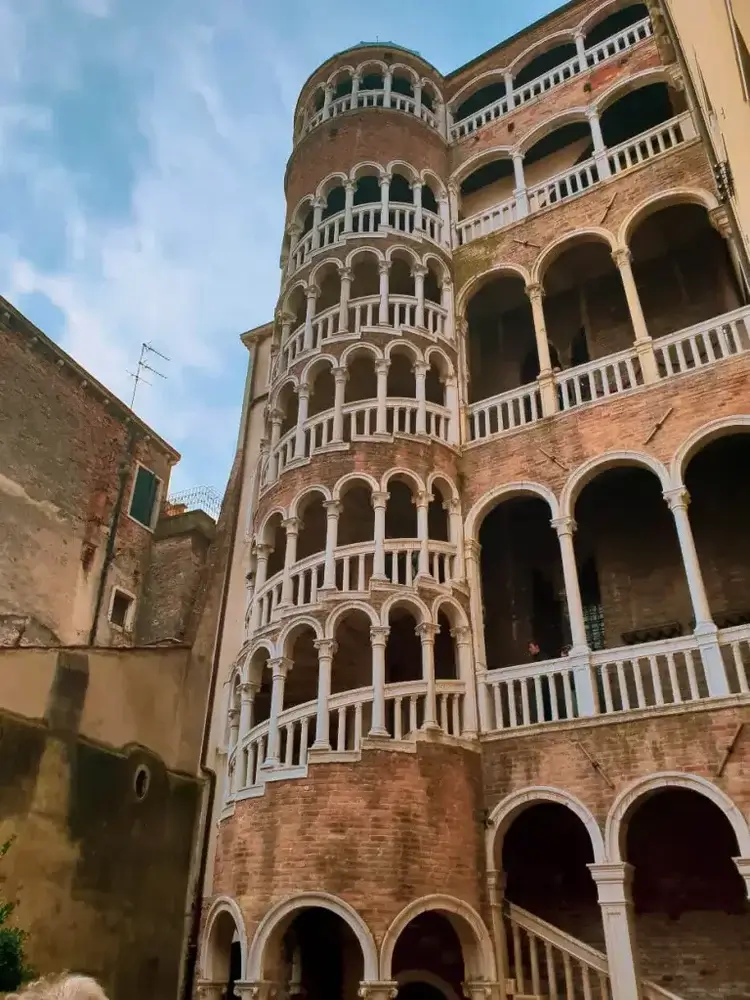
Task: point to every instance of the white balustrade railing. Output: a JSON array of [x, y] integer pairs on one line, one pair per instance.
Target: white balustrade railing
[[657, 140], [560, 187], [734, 644], [504, 412], [598, 379], [497, 217], [610, 47], [372, 99], [703, 344], [668, 672], [402, 561], [530, 694]]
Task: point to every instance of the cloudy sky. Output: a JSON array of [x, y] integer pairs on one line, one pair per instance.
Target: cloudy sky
[[142, 154]]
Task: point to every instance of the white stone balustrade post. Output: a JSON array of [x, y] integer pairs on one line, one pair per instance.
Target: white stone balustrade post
[[387, 85], [418, 99], [508, 77], [234, 728], [417, 191], [450, 384], [319, 206], [379, 504], [520, 193], [445, 222], [327, 99], [311, 294], [333, 510], [580, 40], [381, 371], [546, 377], [340, 376], [455, 533], [446, 301], [385, 193], [643, 343], [262, 552], [346, 275], [420, 369], [279, 669], [378, 643], [384, 268], [355, 90], [249, 594], [706, 632], [461, 635], [422, 503], [303, 401], [426, 632], [613, 883], [291, 526], [349, 189], [453, 213], [419, 273], [248, 690], [600, 150], [326, 651], [277, 418]]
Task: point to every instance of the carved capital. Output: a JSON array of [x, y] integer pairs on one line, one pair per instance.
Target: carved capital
[[346, 274], [333, 508], [621, 256], [462, 635], [384, 179], [377, 991], [535, 292], [382, 365], [379, 635], [427, 632], [280, 666], [291, 525], [326, 647], [719, 219], [340, 374], [563, 525], [384, 267], [312, 292], [677, 499], [379, 498]]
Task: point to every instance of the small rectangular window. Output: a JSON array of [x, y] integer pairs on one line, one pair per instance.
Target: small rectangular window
[[145, 496], [121, 609], [593, 621]]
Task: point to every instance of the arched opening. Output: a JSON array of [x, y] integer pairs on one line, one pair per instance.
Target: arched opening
[[434, 386], [259, 673], [430, 95], [400, 190], [319, 98], [446, 661], [401, 510], [429, 201], [638, 111], [629, 557], [275, 536], [362, 382], [501, 337], [367, 188], [614, 23], [342, 84], [544, 854], [542, 64], [371, 78], [403, 654], [400, 281], [288, 404], [438, 520], [329, 282], [688, 897], [311, 531], [682, 269], [301, 684], [718, 482], [318, 957], [428, 946], [365, 276], [523, 593], [352, 661], [433, 282], [481, 98], [296, 307], [224, 954], [322, 387], [357, 517], [486, 186], [401, 383], [304, 217], [335, 198], [402, 84], [554, 153]]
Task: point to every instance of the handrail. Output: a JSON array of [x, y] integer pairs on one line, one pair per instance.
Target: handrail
[[561, 939]]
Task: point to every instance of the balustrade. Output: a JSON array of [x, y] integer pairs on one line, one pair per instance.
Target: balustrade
[[505, 412], [562, 186], [704, 343], [657, 140], [373, 99], [598, 379]]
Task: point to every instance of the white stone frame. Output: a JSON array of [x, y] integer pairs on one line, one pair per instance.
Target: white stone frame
[[507, 491], [701, 438], [476, 943], [664, 199], [219, 905], [275, 921], [589, 470], [127, 626]]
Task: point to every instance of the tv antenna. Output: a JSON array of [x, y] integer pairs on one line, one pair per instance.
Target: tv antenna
[[143, 365]]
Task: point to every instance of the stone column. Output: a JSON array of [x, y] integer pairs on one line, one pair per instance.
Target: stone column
[[381, 370], [319, 206], [613, 882], [286, 327], [420, 370], [743, 867], [643, 343], [455, 533], [580, 41], [446, 301], [277, 418], [326, 651], [600, 150], [580, 654], [385, 212], [383, 268], [419, 273], [445, 222], [508, 77], [346, 275], [450, 385], [520, 193], [496, 895], [303, 399], [327, 99], [706, 632], [426, 632], [422, 503], [379, 503], [378, 643], [349, 189], [333, 510], [280, 668], [291, 526], [546, 377], [262, 552], [355, 90], [312, 294], [417, 191], [247, 702], [234, 727], [465, 667], [453, 202], [387, 84], [418, 99], [340, 375]]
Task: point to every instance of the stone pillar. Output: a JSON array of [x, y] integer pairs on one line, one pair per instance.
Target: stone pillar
[[378, 642], [422, 504], [262, 552], [496, 896], [340, 375], [333, 510], [381, 370], [247, 702], [319, 206], [580, 654], [419, 274], [385, 212], [312, 294], [453, 202], [290, 558], [643, 343], [280, 668], [286, 327], [426, 632], [418, 99], [349, 188], [446, 301], [706, 632], [379, 503], [327, 99], [355, 90], [613, 883], [417, 191], [451, 401], [743, 867], [520, 193], [462, 639], [420, 370], [277, 418], [346, 276], [234, 727], [445, 222], [326, 651], [580, 41], [546, 378], [387, 84], [600, 150], [303, 399], [383, 268], [508, 77]]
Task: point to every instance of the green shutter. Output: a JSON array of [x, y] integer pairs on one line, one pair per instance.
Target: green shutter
[[143, 501]]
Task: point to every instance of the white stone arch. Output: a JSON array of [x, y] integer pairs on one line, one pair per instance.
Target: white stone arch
[[476, 944], [645, 77], [295, 214], [405, 169], [435, 351], [601, 12], [457, 612], [362, 347], [480, 159], [549, 125], [323, 265], [261, 533], [616, 825], [424, 976], [268, 646], [470, 289], [700, 438], [409, 474], [315, 363], [403, 347], [507, 809], [442, 266], [331, 80], [600, 463], [288, 379], [476, 83], [344, 608], [296, 625], [555, 249], [364, 251], [429, 85], [508, 491], [325, 187], [441, 477], [221, 904], [366, 168], [299, 283], [399, 248], [410, 72], [428, 176], [282, 913], [561, 37], [367, 63], [664, 199], [412, 601], [321, 488], [350, 477]]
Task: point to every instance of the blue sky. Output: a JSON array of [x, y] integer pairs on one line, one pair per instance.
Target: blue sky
[[142, 154]]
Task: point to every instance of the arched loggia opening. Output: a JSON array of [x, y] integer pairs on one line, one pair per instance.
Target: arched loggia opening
[[223, 961], [542, 64], [614, 23], [428, 960], [403, 651], [275, 537], [554, 153], [480, 98], [490, 184], [688, 897], [356, 524], [322, 387], [638, 110]]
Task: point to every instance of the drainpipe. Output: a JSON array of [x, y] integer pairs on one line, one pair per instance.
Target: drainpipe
[[706, 138], [109, 551], [209, 775]]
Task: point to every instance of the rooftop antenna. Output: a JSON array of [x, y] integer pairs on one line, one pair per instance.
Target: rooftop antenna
[[143, 365]]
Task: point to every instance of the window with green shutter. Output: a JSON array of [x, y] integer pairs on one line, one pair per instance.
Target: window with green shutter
[[144, 497]]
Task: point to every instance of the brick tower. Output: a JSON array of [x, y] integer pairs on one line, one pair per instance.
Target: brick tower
[[484, 677]]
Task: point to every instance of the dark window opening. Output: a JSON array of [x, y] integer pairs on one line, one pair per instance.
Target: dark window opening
[[484, 176], [429, 202], [371, 81], [145, 496], [402, 85], [636, 112], [593, 612], [400, 190], [544, 63], [335, 202], [616, 23], [120, 611], [343, 87], [368, 190], [557, 140], [480, 99]]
